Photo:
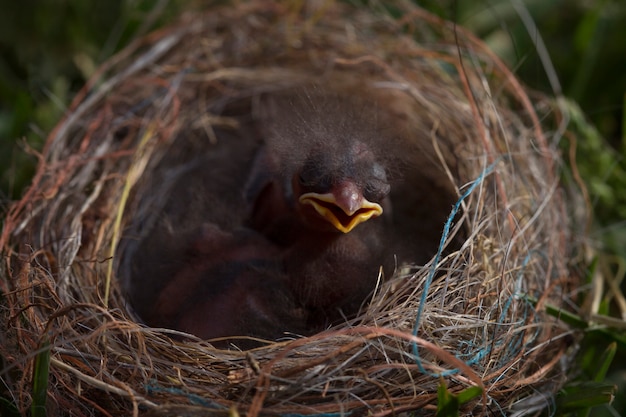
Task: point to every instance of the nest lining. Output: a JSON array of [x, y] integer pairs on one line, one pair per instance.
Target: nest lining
[[479, 300]]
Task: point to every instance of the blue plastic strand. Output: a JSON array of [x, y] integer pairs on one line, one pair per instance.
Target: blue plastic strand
[[433, 269], [153, 387]]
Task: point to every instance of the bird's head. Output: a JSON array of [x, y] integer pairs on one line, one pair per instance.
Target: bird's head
[[333, 155], [343, 190]]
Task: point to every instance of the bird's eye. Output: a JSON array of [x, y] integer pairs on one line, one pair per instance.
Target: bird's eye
[[308, 175], [313, 171], [303, 179], [376, 190]]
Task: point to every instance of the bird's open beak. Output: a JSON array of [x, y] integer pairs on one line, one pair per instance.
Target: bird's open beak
[[344, 208]]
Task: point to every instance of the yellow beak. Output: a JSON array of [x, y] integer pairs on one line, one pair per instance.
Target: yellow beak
[[344, 217]]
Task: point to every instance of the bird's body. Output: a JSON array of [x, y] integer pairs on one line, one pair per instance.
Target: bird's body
[[319, 189], [231, 284], [333, 275]]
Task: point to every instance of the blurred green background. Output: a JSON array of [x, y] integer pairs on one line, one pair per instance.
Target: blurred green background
[[48, 48]]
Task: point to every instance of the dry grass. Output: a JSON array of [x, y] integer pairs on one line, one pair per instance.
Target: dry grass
[[473, 313]]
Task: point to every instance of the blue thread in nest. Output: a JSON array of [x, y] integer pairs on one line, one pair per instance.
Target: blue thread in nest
[[474, 354], [318, 415], [433, 270], [516, 342], [154, 388]]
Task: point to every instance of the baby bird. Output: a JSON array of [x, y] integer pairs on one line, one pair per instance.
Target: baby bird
[[231, 285], [194, 266], [319, 189]]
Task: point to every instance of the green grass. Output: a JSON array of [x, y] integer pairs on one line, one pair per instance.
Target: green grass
[[48, 48], [448, 404], [41, 373]]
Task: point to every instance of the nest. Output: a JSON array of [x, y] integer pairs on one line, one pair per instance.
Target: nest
[[472, 313]]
